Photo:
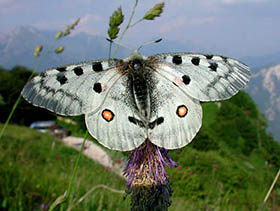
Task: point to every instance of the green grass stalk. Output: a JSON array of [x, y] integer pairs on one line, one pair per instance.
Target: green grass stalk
[[270, 189], [125, 29], [74, 172]]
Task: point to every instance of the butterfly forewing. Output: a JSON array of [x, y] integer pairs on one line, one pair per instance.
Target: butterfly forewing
[[204, 77], [71, 89]]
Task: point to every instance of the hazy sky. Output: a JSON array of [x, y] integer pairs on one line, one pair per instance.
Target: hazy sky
[[236, 27]]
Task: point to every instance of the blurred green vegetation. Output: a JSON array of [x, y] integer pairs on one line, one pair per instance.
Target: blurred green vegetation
[[230, 165], [11, 83], [36, 168]]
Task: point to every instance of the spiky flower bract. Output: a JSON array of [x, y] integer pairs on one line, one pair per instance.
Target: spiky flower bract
[[148, 181]]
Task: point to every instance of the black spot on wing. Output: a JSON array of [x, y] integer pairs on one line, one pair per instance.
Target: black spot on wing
[[195, 61], [43, 74], [158, 121], [61, 79], [186, 79], [208, 56], [97, 67], [97, 87], [78, 71], [224, 59], [61, 69], [132, 120], [213, 67], [135, 121], [177, 60]]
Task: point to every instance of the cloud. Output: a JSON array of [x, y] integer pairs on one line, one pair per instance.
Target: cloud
[[182, 22], [89, 18], [92, 24], [89, 23], [242, 1], [212, 4]]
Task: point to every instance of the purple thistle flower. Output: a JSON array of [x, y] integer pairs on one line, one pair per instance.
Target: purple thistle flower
[[147, 178]]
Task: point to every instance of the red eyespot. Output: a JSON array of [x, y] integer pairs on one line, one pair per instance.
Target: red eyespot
[[182, 111], [108, 115]]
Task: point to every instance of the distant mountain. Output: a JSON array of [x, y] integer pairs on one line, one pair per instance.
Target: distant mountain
[[17, 48], [264, 88]]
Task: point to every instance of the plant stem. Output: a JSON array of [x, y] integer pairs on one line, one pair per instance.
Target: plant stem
[[10, 116], [74, 171], [270, 189], [126, 28], [110, 49], [136, 22]]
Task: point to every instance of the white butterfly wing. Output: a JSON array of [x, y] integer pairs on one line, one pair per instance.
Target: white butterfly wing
[[204, 77], [177, 129], [109, 124], [73, 89], [100, 90]]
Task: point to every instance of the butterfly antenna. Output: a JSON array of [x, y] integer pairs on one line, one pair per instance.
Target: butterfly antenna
[[148, 43], [116, 43]]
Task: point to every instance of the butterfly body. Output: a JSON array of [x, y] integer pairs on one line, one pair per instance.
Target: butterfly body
[[127, 101], [140, 87]]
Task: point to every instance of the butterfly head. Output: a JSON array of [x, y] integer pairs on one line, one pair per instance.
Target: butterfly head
[[135, 55], [135, 61]]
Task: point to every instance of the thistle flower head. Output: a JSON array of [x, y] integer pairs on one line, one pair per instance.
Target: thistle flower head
[[147, 178]]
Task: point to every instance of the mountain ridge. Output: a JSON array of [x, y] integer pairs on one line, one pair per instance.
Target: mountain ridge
[[264, 88]]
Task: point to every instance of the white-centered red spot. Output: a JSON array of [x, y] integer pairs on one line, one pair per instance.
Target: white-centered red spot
[[108, 115], [182, 111]]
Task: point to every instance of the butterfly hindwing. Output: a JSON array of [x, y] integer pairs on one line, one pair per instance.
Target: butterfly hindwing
[[204, 77], [181, 116], [72, 89], [110, 124]]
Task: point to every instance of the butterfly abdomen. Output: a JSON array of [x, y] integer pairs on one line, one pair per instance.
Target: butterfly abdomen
[[139, 83]]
